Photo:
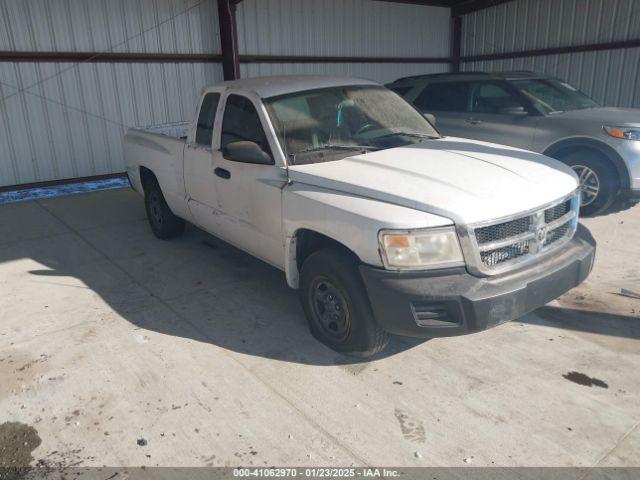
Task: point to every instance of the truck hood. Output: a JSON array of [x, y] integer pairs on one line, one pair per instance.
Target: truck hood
[[464, 180], [604, 115]]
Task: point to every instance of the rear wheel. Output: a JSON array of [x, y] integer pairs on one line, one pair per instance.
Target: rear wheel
[[598, 180], [337, 306], [164, 224]]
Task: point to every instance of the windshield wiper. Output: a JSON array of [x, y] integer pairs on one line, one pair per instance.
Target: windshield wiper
[[411, 134], [331, 146]]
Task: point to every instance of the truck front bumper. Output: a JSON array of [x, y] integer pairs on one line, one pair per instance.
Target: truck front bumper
[[449, 302]]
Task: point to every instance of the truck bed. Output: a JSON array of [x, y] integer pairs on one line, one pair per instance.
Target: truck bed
[[175, 129], [159, 148]]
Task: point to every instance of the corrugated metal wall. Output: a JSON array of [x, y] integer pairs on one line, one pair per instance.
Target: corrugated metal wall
[[362, 28], [380, 72], [610, 77], [65, 120], [169, 26]]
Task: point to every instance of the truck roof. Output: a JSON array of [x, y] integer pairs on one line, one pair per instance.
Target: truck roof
[[266, 87]]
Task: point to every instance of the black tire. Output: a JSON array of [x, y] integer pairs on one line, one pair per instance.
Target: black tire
[[600, 171], [164, 224], [330, 285]]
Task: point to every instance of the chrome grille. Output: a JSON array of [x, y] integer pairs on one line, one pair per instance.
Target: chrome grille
[[503, 230], [504, 245], [556, 212], [496, 256], [557, 234]]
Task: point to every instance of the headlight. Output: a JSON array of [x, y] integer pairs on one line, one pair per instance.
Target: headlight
[[420, 249], [625, 133]]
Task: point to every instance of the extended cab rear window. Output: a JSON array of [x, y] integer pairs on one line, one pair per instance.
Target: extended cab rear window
[[204, 129]]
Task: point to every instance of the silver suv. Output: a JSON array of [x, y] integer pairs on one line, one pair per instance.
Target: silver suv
[[543, 114]]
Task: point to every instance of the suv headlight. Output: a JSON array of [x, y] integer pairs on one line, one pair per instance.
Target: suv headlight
[[624, 133], [420, 249]]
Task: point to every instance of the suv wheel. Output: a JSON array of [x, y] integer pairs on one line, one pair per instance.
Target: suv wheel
[[598, 180], [164, 224], [337, 306]]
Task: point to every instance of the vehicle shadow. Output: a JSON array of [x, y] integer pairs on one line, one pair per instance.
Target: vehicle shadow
[[196, 287], [251, 310], [586, 321]]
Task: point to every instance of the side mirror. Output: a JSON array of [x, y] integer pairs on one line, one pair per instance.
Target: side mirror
[[430, 117], [246, 152], [514, 111]]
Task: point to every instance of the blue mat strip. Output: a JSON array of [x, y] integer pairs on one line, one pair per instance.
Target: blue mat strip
[[62, 190]]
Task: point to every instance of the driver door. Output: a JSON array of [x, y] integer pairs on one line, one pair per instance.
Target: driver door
[[249, 196]]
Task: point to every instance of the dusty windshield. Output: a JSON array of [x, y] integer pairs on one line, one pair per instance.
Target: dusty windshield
[[553, 96], [331, 123]]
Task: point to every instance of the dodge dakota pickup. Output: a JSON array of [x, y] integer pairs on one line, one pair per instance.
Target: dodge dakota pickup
[[385, 226]]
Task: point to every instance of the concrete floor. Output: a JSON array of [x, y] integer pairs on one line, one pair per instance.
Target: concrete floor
[[110, 338]]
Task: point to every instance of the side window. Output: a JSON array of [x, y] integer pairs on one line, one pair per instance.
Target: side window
[[204, 129], [241, 122], [443, 97], [487, 97]]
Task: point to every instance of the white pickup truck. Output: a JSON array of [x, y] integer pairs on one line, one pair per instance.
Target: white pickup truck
[[383, 225]]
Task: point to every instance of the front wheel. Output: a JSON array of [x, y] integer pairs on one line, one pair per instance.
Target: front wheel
[[598, 180], [337, 306]]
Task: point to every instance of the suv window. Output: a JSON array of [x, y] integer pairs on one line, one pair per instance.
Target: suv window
[[402, 91], [443, 97], [204, 129], [550, 95], [241, 122], [489, 97]]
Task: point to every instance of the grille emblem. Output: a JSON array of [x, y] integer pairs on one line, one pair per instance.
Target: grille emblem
[[539, 228], [541, 235]]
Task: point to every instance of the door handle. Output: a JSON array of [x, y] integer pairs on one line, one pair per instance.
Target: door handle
[[473, 121], [222, 173]]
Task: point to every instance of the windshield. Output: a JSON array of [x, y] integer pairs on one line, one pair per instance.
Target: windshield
[[553, 96], [331, 123]]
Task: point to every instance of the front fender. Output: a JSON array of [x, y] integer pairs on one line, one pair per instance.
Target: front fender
[[351, 220]]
